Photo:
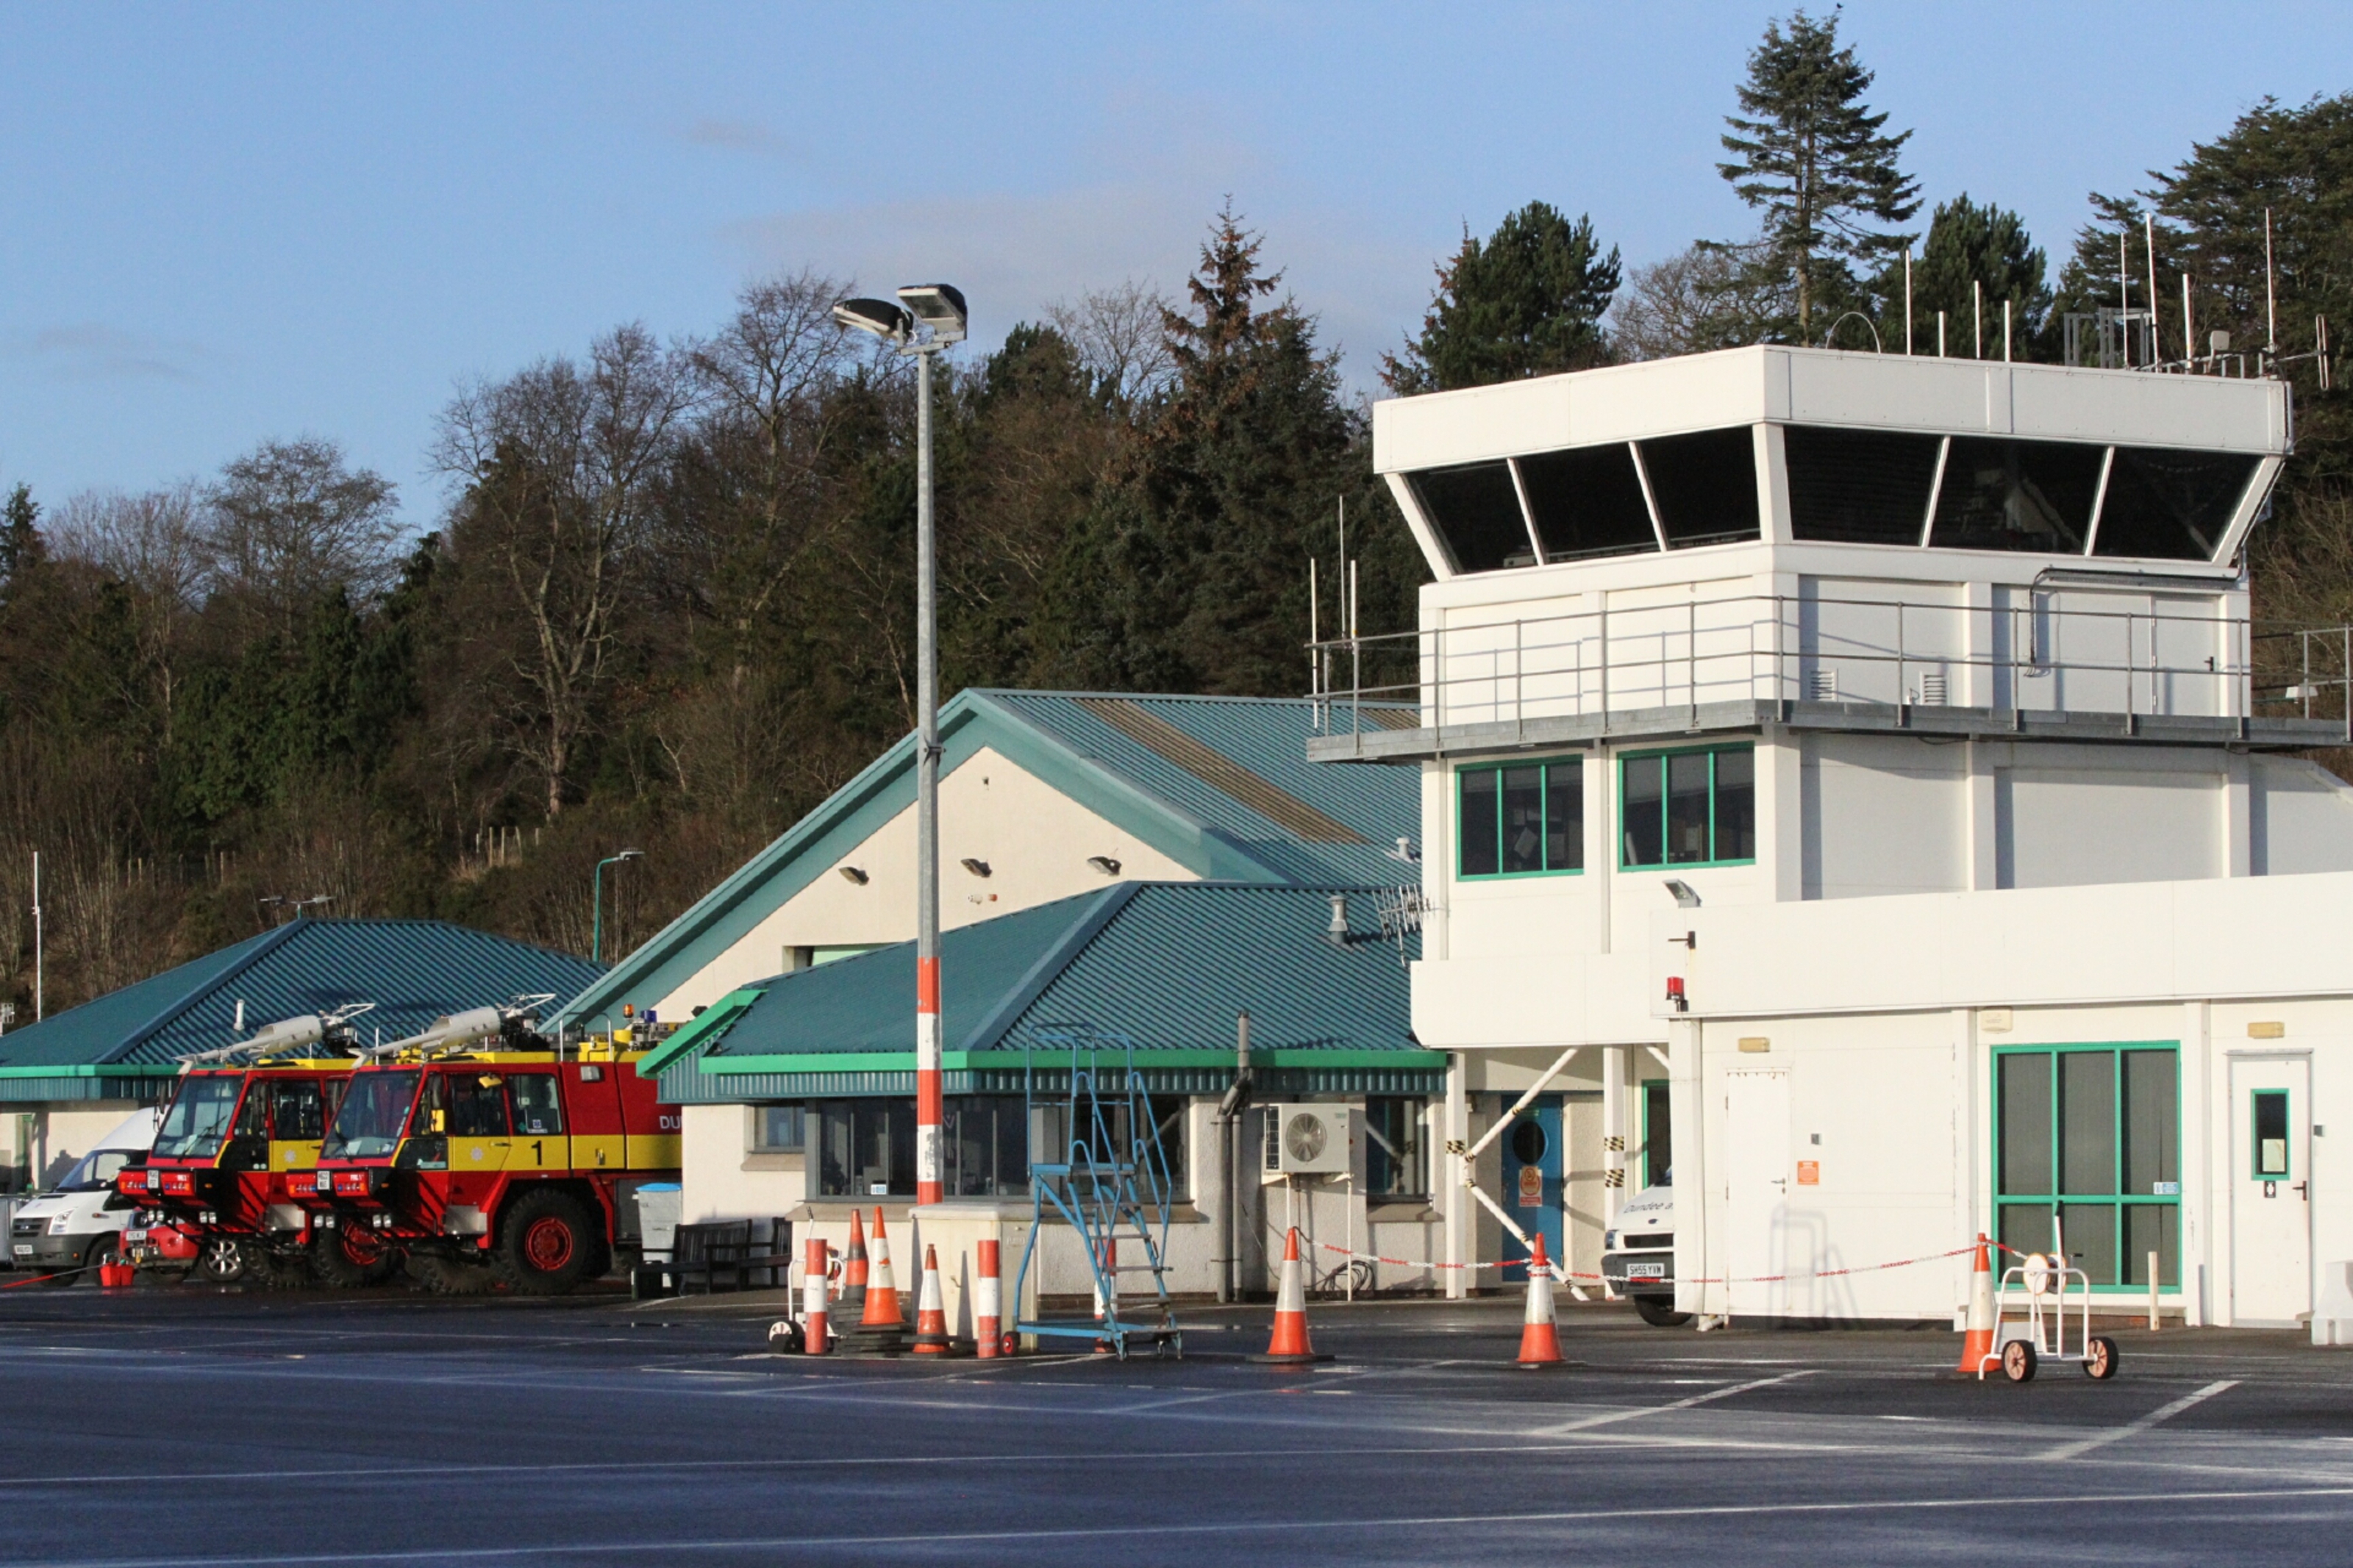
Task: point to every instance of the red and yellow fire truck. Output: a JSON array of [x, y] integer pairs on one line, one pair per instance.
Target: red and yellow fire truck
[[488, 1154], [210, 1197]]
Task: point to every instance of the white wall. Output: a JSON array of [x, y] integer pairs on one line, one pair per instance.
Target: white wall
[[1883, 815], [2302, 818]]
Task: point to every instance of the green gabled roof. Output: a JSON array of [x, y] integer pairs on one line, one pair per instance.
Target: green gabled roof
[[414, 971], [1165, 966], [1220, 785]]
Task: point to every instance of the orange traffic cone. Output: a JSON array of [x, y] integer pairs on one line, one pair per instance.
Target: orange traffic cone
[[1539, 1337], [931, 1309], [1289, 1344], [882, 1285], [989, 1303], [853, 1266], [1977, 1345]]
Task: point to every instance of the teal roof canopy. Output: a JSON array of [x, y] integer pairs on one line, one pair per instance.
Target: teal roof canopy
[[414, 971], [1219, 785], [1164, 966]]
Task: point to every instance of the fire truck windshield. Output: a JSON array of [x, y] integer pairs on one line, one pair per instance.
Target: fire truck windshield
[[368, 1125], [199, 1117]]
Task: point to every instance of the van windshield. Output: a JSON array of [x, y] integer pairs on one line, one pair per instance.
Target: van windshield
[[94, 1171], [193, 1128], [368, 1125]]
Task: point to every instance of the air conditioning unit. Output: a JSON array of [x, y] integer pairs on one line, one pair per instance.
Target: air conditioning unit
[[1311, 1139]]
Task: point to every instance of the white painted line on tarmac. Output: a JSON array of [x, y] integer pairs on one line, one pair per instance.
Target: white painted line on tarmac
[[804, 1544], [2133, 1429], [1605, 1418]]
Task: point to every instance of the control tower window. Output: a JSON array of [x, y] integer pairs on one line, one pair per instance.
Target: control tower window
[[1705, 485], [2017, 495], [1588, 501], [2170, 506], [1859, 487], [1476, 510]]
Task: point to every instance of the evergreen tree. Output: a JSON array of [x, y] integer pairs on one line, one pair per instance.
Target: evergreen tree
[[1528, 302], [1817, 161], [21, 546], [1977, 256]]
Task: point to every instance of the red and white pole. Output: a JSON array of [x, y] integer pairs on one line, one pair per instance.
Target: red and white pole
[[813, 1313], [989, 1304]]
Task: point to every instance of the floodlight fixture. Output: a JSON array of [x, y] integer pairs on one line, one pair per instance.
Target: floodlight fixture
[[879, 317], [939, 306], [1686, 897]]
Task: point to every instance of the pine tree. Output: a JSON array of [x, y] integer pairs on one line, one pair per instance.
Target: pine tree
[[21, 546], [1817, 161], [1970, 244], [1528, 302]]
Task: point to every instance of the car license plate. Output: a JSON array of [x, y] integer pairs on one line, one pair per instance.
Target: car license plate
[[22, 1249], [1646, 1271]]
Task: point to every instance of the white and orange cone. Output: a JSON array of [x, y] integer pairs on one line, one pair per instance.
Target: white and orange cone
[[1289, 1344], [813, 1305], [989, 1304], [1539, 1335], [882, 1284], [1976, 1343], [931, 1309], [853, 1265]]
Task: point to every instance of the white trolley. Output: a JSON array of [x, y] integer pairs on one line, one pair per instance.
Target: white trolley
[[2052, 1297]]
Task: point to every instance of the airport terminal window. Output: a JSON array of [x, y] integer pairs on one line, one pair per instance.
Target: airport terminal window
[[2091, 1135], [1859, 487], [779, 1129], [987, 1151], [1688, 808], [2170, 506], [1706, 486], [1521, 819], [866, 1148], [1588, 501], [1397, 1154], [1476, 510], [2017, 495]]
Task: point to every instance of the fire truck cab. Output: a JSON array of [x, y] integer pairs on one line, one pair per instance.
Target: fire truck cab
[[210, 1196], [488, 1154]]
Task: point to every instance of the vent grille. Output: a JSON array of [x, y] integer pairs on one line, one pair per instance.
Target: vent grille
[[1219, 770], [1932, 689], [1821, 686]]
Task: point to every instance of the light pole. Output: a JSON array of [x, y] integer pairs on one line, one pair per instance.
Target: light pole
[[940, 310], [596, 901]]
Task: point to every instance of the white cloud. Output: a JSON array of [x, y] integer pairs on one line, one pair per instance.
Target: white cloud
[[92, 351]]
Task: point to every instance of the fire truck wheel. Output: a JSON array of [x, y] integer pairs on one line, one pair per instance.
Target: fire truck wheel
[[351, 1255], [442, 1277], [547, 1244], [220, 1260]]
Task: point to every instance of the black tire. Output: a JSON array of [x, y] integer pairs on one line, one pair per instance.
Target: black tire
[[349, 1257], [220, 1260], [2019, 1360], [547, 1243], [2100, 1358], [444, 1277], [1659, 1314]]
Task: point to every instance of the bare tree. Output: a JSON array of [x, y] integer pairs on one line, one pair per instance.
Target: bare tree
[[1121, 337], [290, 523], [1708, 297], [559, 464]]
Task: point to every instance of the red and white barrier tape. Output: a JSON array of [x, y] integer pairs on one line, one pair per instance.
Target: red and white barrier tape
[[1559, 1273]]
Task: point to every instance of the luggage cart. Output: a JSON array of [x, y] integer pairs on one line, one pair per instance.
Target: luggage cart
[[2051, 1292]]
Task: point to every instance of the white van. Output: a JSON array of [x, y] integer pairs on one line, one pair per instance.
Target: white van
[[1638, 1256], [74, 1225]]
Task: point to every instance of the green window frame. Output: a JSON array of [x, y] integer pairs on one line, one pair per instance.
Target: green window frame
[[1519, 818], [1693, 807], [2091, 1133]]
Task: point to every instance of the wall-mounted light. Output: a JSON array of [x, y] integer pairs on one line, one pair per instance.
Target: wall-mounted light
[[977, 867], [1686, 897], [1103, 863], [853, 875]]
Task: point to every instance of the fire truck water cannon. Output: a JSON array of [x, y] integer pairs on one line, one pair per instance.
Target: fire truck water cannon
[[514, 1023], [292, 1037]]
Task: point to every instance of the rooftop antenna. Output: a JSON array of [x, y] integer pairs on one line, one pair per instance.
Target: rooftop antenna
[[2124, 294], [2271, 292], [1907, 302], [1977, 318], [2148, 233]]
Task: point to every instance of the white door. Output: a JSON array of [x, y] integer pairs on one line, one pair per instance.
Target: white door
[[2271, 1189], [1756, 1187]]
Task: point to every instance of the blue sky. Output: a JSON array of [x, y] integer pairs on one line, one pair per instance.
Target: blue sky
[[221, 224]]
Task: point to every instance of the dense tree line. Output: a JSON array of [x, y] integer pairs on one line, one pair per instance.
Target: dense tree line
[[669, 604]]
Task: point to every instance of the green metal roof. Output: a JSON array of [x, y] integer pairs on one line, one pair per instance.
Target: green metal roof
[[1220, 785], [414, 971], [1165, 966]]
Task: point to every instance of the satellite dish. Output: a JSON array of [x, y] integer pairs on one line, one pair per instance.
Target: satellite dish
[[1304, 1137]]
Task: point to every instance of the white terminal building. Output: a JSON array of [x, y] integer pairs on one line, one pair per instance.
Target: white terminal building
[[1853, 786]]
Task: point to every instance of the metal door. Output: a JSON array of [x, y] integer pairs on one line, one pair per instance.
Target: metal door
[[1756, 1187], [1533, 1151], [2271, 1189]]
